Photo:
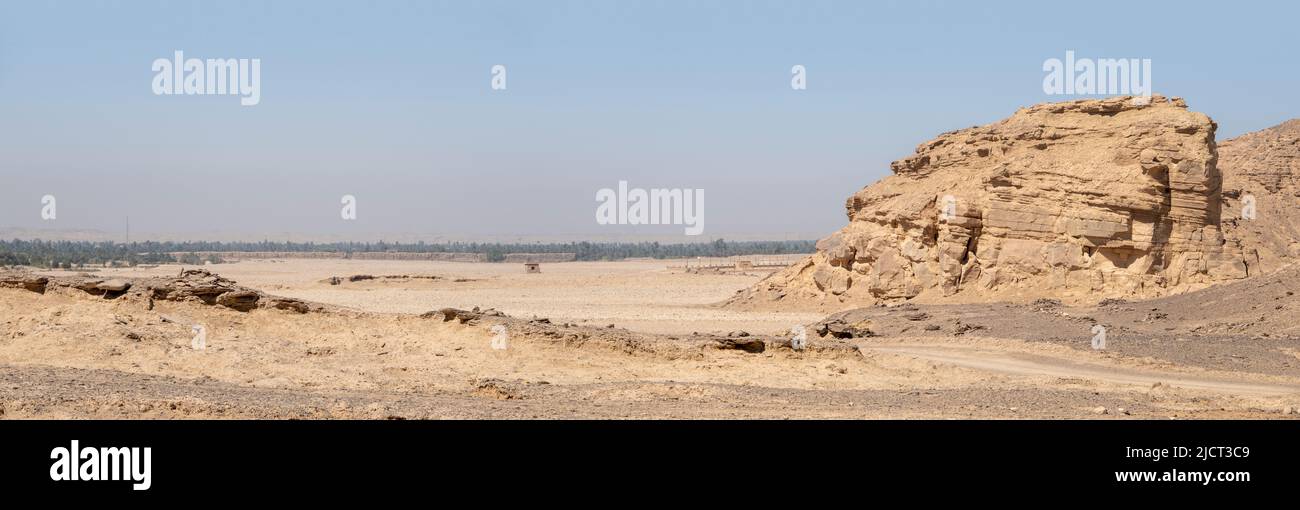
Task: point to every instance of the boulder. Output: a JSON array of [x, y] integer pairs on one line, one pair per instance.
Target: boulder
[[242, 300], [114, 286]]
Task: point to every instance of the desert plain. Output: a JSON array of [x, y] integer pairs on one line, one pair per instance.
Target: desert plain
[[631, 339]]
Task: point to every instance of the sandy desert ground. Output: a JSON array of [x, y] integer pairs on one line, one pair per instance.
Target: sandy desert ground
[[639, 295], [671, 353]]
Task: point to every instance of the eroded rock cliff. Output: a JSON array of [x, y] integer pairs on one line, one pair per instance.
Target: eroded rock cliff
[[1261, 194], [1087, 199]]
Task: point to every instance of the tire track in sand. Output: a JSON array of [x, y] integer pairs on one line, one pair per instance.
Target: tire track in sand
[[1019, 363]]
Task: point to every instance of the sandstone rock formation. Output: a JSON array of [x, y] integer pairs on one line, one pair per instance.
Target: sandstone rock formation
[[194, 285], [1083, 199], [1261, 172], [242, 300], [26, 281], [200, 285]]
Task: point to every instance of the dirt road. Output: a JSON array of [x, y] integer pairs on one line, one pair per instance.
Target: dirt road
[[1020, 363]]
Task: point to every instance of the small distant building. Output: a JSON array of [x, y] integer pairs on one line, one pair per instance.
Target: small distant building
[[532, 267], [744, 264]]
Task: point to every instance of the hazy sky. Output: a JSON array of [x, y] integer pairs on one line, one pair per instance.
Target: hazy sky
[[391, 102]]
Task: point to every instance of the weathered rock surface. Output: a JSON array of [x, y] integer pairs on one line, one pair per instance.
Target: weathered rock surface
[[24, 281], [192, 285], [195, 284], [291, 304], [842, 326], [114, 285], [242, 300], [1262, 169], [450, 314], [1085, 199]]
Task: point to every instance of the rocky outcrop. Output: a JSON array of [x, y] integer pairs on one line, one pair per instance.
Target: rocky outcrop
[[1261, 194], [114, 285], [242, 300], [456, 314], [290, 304], [106, 288], [14, 280], [1086, 199], [199, 285], [94, 286], [195, 285]]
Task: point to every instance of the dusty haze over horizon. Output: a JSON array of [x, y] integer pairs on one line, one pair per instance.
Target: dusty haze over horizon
[[392, 104]]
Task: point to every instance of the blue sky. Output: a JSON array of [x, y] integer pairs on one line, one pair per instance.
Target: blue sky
[[390, 101]]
